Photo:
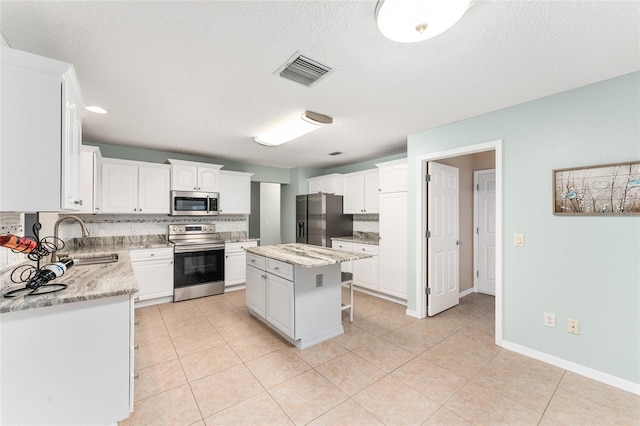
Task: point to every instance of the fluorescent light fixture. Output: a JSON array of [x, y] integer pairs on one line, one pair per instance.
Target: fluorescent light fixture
[[97, 109], [409, 21], [293, 128]]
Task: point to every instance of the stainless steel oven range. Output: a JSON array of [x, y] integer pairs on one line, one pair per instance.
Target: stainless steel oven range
[[198, 261]]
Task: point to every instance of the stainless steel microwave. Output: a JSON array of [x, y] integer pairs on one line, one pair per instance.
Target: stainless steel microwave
[[188, 203]]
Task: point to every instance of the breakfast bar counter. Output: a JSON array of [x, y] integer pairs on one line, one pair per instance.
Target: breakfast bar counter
[[295, 289]]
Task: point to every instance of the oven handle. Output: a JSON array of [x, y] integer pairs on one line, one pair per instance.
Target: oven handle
[[197, 248]]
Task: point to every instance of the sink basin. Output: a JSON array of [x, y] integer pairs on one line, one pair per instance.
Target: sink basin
[[95, 260]]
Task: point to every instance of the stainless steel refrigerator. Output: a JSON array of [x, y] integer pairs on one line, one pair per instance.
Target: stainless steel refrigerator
[[319, 218]]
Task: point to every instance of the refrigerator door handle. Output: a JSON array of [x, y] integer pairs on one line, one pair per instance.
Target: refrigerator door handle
[[300, 229]]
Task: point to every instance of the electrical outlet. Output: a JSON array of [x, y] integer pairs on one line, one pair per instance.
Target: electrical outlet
[[550, 320], [573, 326], [518, 240], [319, 280]]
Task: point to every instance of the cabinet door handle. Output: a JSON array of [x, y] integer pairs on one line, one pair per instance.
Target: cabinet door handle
[[79, 202], [152, 254], [136, 322], [276, 268], [253, 261]]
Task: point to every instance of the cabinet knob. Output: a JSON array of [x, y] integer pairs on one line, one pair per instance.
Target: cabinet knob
[[78, 202], [135, 377], [276, 267], [264, 277], [136, 347], [253, 261], [136, 322], [194, 188], [152, 254], [135, 210], [226, 257]]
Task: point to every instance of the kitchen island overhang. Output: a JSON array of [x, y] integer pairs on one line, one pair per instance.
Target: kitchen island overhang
[[295, 289]]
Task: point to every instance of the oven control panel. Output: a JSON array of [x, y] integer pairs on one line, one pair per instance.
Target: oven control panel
[[192, 229]]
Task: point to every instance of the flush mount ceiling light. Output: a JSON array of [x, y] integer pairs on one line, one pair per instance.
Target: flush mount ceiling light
[[292, 128], [97, 109], [409, 21]]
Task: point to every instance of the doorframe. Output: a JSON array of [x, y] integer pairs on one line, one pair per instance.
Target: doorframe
[[421, 215], [476, 200]]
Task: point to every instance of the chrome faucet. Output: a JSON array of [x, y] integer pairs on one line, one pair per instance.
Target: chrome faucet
[[85, 233]]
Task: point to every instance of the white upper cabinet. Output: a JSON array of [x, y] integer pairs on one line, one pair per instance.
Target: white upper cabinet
[[135, 187], [41, 134], [193, 176], [327, 184], [393, 176], [90, 178], [361, 192], [235, 192]]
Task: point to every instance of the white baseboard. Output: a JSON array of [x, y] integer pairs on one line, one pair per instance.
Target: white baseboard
[[412, 313], [606, 378], [466, 292]]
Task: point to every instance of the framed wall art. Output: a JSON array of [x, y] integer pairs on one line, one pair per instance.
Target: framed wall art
[[601, 190]]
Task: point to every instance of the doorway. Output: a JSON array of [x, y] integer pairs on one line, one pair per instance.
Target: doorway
[[422, 211]]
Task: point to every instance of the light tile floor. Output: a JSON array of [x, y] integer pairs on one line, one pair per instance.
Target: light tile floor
[[208, 362]]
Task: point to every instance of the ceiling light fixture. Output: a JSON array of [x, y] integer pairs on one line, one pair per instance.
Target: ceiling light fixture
[[409, 21], [97, 109], [293, 128]]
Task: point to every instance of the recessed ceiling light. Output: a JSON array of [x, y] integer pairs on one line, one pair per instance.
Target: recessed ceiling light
[[97, 109]]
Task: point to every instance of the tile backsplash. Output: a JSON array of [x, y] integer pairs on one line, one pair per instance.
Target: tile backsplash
[[105, 225], [366, 223]]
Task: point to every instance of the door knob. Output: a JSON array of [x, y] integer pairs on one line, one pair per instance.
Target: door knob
[[458, 243]]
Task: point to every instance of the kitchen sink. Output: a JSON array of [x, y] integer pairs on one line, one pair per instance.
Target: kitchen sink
[[95, 259]]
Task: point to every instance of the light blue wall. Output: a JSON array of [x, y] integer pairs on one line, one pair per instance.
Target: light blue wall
[[260, 173], [584, 268], [363, 165], [298, 185]]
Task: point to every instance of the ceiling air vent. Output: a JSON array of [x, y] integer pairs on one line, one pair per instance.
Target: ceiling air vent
[[303, 70]]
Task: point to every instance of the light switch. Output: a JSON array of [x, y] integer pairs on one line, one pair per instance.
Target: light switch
[[518, 240]]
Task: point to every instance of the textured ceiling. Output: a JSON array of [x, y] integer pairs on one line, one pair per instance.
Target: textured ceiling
[[197, 77]]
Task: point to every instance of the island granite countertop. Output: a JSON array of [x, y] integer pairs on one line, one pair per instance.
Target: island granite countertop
[[306, 255]]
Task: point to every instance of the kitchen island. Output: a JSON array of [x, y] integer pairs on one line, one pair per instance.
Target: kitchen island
[[295, 289]]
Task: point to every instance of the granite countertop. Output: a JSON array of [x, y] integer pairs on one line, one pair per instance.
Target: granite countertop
[[241, 240], [306, 255], [85, 282], [358, 240]]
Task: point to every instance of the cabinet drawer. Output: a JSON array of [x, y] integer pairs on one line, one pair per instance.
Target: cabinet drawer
[[151, 254], [365, 248], [239, 246], [280, 269], [342, 245], [256, 261]]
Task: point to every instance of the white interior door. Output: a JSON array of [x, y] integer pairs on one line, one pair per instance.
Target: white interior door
[[443, 278], [486, 232]]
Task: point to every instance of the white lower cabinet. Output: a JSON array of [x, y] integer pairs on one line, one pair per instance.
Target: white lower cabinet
[[365, 271], [271, 296], [255, 292], [73, 363], [280, 304], [153, 269], [235, 262]]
